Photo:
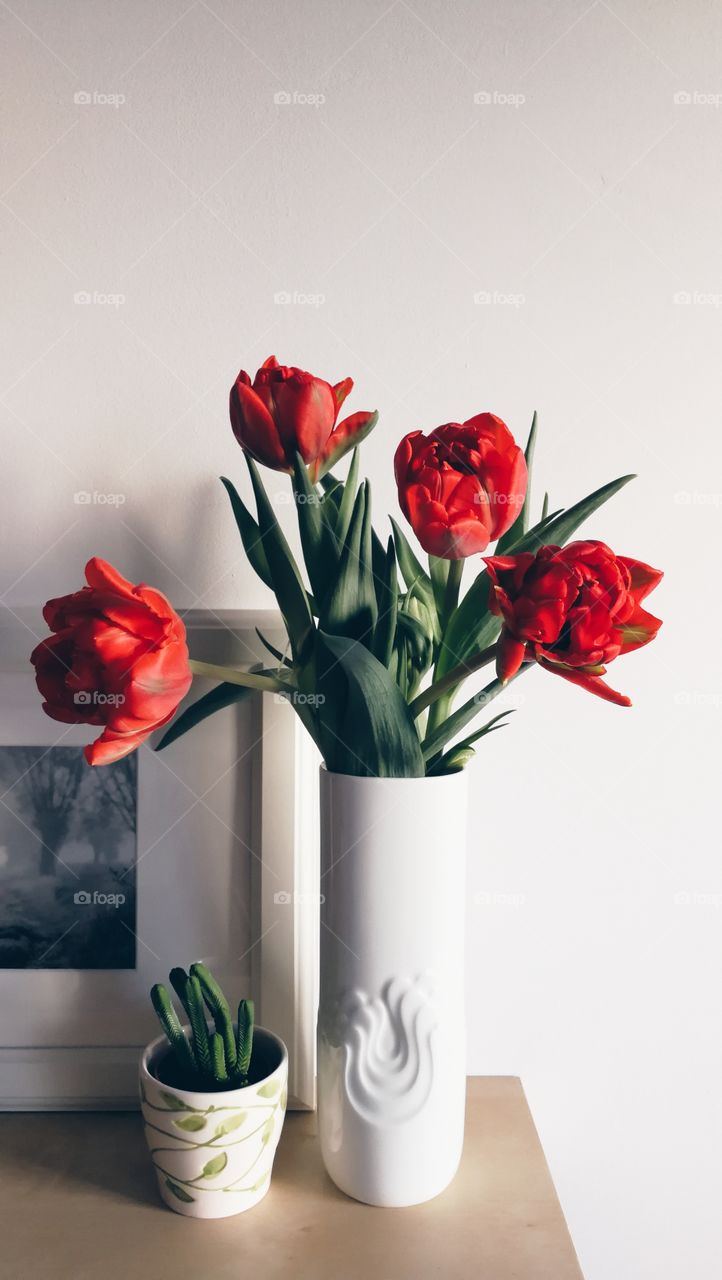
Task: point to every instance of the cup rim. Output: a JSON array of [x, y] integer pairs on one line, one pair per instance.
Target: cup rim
[[189, 1095]]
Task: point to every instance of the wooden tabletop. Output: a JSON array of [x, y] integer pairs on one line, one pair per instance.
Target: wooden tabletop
[[79, 1202]]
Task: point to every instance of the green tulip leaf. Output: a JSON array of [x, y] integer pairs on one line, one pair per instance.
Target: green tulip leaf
[[558, 528], [521, 524], [178, 1192], [191, 1124], [250, 534], [223, 695], [365, 726], [215, 1166], [348, 497], [317, 541], [449, 728], [462, 752], [287, 583], [350, 609], [415, 632], [280, 657], [332, 489], [413, 572], [453, 762], [387, 597]]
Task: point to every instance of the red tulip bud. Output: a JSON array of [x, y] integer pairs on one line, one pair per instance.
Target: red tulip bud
[[286, 411], [461, 487]]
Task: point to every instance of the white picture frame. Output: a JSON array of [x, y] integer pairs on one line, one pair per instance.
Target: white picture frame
[[42, 1068]]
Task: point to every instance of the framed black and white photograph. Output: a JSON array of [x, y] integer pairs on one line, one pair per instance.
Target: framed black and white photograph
[[67, 860], [109, 876]]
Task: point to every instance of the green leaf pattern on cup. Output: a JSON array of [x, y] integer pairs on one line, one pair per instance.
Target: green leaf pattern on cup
[[269, 1089], [173, 1103], [191, 1124], [233, 1122], [215, 1166], [178, 1192], [245, 1126]]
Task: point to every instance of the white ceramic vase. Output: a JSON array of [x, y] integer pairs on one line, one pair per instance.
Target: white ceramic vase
[[391, 1042], [213, 1152]]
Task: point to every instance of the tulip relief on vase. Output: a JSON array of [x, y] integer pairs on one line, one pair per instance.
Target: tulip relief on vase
[[383, 663]]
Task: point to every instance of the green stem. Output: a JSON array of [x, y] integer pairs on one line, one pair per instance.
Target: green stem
[[447, 682], [439, 575], [442, 699], [441, 733], [451, 595], [232, 675]]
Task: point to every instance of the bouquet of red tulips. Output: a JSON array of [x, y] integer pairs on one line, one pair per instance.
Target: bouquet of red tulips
[[366, 622]]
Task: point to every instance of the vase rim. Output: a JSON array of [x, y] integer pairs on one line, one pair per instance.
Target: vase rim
[[456, 776]]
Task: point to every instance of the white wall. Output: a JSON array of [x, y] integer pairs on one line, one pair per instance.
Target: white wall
[[398, 198]]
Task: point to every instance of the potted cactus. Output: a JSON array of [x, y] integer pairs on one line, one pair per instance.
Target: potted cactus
[[213, 1099]]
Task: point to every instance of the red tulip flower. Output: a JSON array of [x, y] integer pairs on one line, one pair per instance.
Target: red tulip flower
[[285, 411], [461, 487], [572, 610], [117, 658]]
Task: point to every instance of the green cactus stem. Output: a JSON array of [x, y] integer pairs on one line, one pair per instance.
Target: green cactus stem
[[205, 1060], [245, 1037], [188, 991], [170, 1023], [218, 1059], [220, 1010]]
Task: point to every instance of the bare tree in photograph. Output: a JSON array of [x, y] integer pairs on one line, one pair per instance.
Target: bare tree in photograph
[[118, 783], [45, 793]]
